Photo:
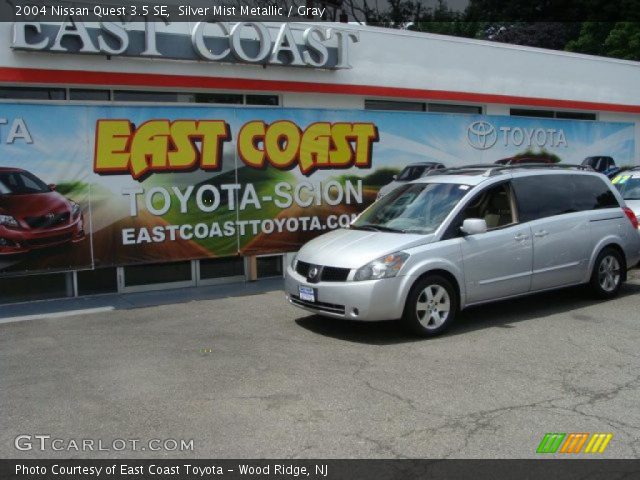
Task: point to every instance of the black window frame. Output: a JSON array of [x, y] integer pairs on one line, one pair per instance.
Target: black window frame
[[559, 114], [547, 181], [50, 94], [382, 105], [90, 94]]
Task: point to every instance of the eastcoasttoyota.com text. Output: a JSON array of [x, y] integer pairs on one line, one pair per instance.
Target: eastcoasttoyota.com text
[[319, 239], [208, 199]]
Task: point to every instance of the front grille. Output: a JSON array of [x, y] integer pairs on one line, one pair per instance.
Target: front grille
[[41, 242], [334, 274], [46, 221], [303, 268], [327, 274], [322, 306]]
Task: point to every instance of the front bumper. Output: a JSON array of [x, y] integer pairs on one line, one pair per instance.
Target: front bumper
[[371, 300], [14, 241]]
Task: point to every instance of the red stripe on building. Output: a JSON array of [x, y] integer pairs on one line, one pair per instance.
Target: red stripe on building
[[120, 79]]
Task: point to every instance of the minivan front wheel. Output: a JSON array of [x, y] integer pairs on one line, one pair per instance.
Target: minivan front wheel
[[431, 306], [606, 278]]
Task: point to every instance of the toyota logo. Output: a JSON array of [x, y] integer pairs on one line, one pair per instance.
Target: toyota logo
[[313, 273], [481, 135]]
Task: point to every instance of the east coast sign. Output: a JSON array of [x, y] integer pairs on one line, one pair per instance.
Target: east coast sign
[[243, 42]]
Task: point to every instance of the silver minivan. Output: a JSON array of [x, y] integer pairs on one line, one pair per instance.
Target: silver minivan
[[466, 236]]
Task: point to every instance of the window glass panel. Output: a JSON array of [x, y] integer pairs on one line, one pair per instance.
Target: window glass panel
[[157, 273], [542, 196], [139, 96], [226, 98], [592, 193], [33, 287], [101, 280], [31, 185], [493, 205], [629, 186], [263, 100], [89, 94], [548, 195], [221, 267], [448, 108], [20, 183], [522, 112], [412, 208], [576, 115], [27, 93], [394, 105], [530, 112], [412, 172], [269, 266]]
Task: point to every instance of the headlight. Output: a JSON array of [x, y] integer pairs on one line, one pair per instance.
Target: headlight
[[8, 221], [294, 261], [383, 267], [75, 209]]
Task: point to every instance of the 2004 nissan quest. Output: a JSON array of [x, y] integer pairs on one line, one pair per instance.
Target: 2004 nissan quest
[[466, 236]]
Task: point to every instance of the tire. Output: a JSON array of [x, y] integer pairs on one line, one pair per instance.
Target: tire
[[431, 307], [608, 274]]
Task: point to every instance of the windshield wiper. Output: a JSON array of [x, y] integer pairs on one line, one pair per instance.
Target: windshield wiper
[[377, 228]]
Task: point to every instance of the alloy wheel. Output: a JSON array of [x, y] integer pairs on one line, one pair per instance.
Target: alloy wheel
[[433, 306], [609, 273]]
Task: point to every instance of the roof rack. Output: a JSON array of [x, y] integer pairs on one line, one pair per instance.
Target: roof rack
[[491, 169]]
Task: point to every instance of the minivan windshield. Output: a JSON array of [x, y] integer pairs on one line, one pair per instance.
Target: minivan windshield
[[412, 208], [629, 186]]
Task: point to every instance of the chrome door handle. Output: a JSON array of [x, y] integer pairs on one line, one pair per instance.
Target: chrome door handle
[[521, 237], [541, 233]]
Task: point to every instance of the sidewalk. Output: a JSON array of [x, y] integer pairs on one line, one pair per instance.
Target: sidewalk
[[64, 307]]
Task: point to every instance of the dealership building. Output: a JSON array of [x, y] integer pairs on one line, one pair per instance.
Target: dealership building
[[325, 66]]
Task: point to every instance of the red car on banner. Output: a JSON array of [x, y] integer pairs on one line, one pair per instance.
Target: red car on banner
[[33, 215]]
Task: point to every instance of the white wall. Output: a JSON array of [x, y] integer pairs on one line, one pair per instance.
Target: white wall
[[400, 59], [315, 100], [392, 58], [495, 109]]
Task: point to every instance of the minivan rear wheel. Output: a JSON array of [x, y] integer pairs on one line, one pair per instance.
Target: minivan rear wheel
[[607, 275], [431, 306]]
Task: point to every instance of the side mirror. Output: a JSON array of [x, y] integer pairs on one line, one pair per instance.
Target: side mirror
[[395, 177], [473, 226], [52, 186]]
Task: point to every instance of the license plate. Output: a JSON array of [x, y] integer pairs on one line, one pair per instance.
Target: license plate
[[307, 293]]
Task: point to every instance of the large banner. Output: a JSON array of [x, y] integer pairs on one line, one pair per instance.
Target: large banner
[[89, 186]]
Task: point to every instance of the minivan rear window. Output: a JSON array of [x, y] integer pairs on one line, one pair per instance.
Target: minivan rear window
[[541, 196]]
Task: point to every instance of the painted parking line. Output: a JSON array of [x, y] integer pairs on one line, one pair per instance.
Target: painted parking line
[[67, 313]]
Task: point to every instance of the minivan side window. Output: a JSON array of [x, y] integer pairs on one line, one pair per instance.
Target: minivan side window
[[592, 193], [493, 204], [541, 196]]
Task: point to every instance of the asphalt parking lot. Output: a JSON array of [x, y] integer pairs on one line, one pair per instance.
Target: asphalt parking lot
[[253, 377]]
